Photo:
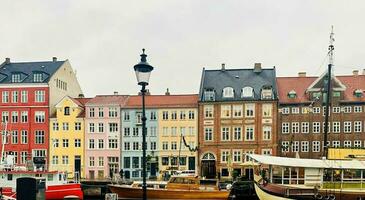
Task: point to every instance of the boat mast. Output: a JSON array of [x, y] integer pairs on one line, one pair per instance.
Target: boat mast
[[328, 92], [3, 140], [178, 158]]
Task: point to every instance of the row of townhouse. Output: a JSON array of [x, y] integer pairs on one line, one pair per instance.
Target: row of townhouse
[[237, 111]]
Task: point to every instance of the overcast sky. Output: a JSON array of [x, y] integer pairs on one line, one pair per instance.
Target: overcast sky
[[103, 39]]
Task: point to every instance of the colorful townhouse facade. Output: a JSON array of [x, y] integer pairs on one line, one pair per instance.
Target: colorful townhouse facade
[[102, 135], [302, 108], [29, 91], [237, 116], [67, 134]]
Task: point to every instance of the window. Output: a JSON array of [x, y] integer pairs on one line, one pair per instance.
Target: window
[[295, 146], [165, 161], [305, 110], [285, 110], [135, 162], [55, 160], [316, 110], [191, 131], [91, 127], [113, 143], [247, 92], [92, 112], [295, 127], [357, 143], [328, 128], [267, 132], [14, 137], [77, 142], [5, 96], [295, 110], [182, 131], [91, 144], [173, 145], [336, 144], [266, 110], [336, 127], [153, 146], [173, 115], [64, 160], [126, 116], [39, 153], [316, 127], [209, 95], [127, 131], [24, 96], [224, 156], [127, 146], [228, 92], [285, 146], [77, 126], [249, 134], [347, 109], [208, 111], [173, 131], [113, 127], [153, 115], [5, 116], [67, 110], [39, 137], [24, 137], [153, 131], [249, 110], [237, 134], [135, 146], [336, 109], [101, 112], [15, 78], [101, 127], [316, 146], [65, 143], [347, 127], [347, 144], [285, 127], [208, 134], [266, 151], [91, 161], [182, 115], [305, 127], [191, 114], [357, 126], [113, 112], [39, 116], [266, 92], [24, 116], [357, 109], [292, 94], [56, 143], [237, 111], [165, 145], [305, 146], [237, 156], [100, 144], [225, 133], [14, 116], [39, 96], [225, 111], [37, 77], [101, 161], [65, 126], [165, 115], [14, 98]]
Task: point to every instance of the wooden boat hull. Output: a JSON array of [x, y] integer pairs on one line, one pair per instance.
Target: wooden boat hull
[[125, 191]]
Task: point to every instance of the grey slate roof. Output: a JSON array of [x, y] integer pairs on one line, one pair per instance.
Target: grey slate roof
[[237, 79], [27, 69]]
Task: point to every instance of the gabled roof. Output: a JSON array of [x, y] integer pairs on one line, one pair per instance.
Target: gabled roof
[[108, 100], [237, 79], [164, 101], [27, 69]]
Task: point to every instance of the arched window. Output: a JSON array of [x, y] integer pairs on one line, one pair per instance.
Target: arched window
[[247, 92], [67, 110], [208, 156], [292, 94], [358, 93], [228, 92]]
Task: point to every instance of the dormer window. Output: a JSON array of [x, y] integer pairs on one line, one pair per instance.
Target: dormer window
[[16, 78], [209, 95], [37, 77], [358, 93], [266, 92], [228, 92], [292, 94], [247, 92]]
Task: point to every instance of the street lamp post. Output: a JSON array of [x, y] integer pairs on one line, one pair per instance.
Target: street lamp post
[[143, 72]]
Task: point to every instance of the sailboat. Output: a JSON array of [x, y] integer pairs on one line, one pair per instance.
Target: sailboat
[[284, 178]]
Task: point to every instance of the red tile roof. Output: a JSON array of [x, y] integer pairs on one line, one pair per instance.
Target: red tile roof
[[300, 84], [159, 101], [81, 101], [108, 100]]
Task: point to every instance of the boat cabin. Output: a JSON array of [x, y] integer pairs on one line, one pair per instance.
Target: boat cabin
[[8, 178], [192, 183]]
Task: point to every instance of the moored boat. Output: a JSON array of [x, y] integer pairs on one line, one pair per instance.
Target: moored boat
[[178, 187]]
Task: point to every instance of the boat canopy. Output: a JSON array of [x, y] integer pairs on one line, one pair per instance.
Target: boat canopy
[[308, 163]]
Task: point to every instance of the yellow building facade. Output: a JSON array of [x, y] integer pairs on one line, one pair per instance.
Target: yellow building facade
[[178, 139], [67, 137]]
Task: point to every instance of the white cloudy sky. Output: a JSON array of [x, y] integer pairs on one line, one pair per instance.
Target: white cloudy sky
[[103, 39]]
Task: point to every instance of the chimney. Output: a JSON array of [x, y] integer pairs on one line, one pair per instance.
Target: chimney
[[257, 68], [148, 92], [81, 95], [355, 72], [7, 60], [302, 74], [223, 67], [54, 59], [167, 92], [115, 93]]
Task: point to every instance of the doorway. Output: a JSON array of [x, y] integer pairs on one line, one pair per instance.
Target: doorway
[[77, 165], [191, 163], [208, 168]]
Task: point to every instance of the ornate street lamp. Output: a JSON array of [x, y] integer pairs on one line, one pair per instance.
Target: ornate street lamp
[[143, 72]]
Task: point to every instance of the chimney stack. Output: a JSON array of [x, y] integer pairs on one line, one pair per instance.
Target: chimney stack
[[257, 68], [7, 60], [81, 95], [115, 93], [54, 59], [167, 92], [302, 74], [223, 67], [355, 72]]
